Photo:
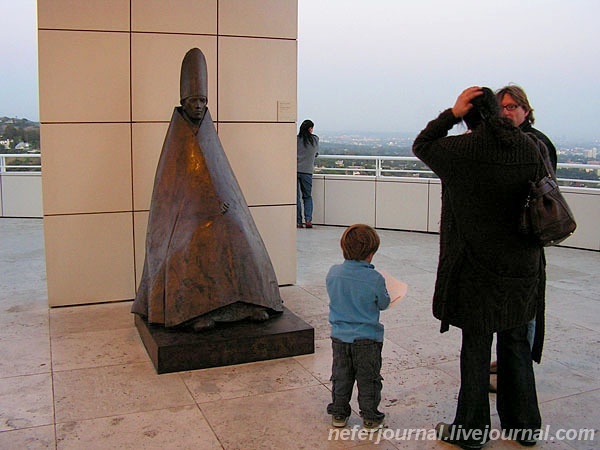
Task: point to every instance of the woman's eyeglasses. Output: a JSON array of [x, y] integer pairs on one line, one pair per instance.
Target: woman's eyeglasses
[[510, 107]]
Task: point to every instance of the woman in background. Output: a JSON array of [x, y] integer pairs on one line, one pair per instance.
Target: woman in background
[[308, 150]]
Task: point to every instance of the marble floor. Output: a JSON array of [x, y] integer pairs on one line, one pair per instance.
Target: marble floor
[[79, 377]]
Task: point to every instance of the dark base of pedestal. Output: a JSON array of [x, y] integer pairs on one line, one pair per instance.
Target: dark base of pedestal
[[232, 343]]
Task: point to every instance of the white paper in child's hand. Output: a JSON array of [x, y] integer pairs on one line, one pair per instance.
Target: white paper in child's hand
[[396, 288]]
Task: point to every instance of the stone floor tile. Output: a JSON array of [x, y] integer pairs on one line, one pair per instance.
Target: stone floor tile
[[76, 319], [558, 328], [36, 438], [320, 322], [303, 303], [112, 390], [26, 401], [319, 291], [319, 362], [409, 312], [246, 380], [19, 298], [573, 413], [556, 380], [580, 353], [396, 358], [427, 343], [181, 427], [417, 398], [581, 312], [14, 361], [295, 418], [26, 324], [97, 348]]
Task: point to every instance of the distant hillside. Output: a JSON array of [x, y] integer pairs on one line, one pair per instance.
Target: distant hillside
[[14, 131]]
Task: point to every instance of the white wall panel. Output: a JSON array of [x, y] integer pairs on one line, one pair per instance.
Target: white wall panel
[[86, 167], [21, 194], [83, 76], [147, 142], [255, 76], [156, 69], [140, 225], [112, 15], [89, 258], [349, 201], [255, 18], [276, 225], [435, 206], [174, 16], [402, 206], [318, 194], [584, 204], [266, 173]]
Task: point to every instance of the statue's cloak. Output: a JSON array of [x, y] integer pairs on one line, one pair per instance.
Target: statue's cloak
[[203, 250]]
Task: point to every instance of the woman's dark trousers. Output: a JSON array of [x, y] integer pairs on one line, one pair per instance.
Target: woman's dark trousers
[[517, 402]]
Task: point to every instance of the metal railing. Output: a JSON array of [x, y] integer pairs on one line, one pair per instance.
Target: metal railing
[[412, 167], [20, 162]]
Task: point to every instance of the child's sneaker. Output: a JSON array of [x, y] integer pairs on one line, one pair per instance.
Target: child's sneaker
[[372, 424], [339, 421]]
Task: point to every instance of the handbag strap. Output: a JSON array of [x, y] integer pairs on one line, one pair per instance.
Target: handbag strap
[[545, 161]]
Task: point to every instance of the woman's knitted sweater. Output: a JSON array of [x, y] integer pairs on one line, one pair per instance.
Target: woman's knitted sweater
[[490, 278]]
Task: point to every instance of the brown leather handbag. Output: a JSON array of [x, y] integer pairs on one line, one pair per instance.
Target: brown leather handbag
[[546, 216]]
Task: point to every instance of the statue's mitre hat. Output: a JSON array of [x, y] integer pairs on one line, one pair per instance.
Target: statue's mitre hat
[[194, 76]]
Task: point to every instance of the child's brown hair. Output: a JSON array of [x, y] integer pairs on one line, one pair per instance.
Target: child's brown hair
[[359, 241]]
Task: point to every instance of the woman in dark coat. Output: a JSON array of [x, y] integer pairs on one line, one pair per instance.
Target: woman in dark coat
[[490, 279]]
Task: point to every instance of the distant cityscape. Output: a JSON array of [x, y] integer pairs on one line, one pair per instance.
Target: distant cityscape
[[400, 144], [21, 136]]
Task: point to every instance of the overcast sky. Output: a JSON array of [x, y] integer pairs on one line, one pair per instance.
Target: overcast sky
[[392, 65], [18, 57]]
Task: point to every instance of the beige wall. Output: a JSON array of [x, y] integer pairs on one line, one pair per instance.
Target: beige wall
[[415, 204], [109, 79]]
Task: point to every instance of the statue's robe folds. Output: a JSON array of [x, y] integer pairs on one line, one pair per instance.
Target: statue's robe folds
[[203, 250]]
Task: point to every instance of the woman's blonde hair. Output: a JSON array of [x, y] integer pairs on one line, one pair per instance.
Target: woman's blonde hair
[[359, 241]]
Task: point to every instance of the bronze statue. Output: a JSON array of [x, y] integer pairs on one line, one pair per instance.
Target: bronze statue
[[205, 260]]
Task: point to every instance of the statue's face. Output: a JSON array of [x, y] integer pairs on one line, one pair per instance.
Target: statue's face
[[195, 106]]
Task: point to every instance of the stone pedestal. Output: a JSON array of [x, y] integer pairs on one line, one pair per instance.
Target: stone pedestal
[[226, 344]]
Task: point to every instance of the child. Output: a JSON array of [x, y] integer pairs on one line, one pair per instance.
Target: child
[[357, 293]]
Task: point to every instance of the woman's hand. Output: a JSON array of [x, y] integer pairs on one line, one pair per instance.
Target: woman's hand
[[463, 102]]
